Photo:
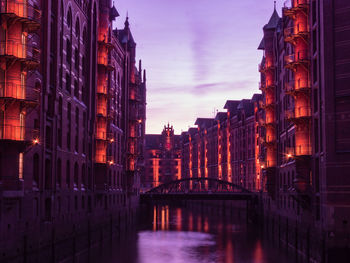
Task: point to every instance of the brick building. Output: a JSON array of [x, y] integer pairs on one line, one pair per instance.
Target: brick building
[[304, 75], [72, 117], [162, 158], [225, 147]]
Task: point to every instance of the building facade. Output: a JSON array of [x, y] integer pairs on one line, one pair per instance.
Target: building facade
[[72, 116], [304, 72], [162, 158], [225, 147]]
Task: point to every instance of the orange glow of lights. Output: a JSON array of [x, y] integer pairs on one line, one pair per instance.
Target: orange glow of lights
[[154, 218], [36, 141]]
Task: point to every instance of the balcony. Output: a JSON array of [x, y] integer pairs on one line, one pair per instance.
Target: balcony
[[270, 141], [293, 6], [101, 158], [22, 11], [102, 89], [101, 111], [266, 67], [293, 33], [297, 59], [298, 114], [105, 41], [262, 68], [105, 62], [13, 49], [18, 133], [295, 87], [11, 90]]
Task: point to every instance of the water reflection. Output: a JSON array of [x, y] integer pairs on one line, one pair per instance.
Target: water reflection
[[197, 235], [173, 246]]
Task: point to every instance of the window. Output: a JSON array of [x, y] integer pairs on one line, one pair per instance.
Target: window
[[48, 174], [69, 52], [76, 175], [36, 169], [76, 59], [59, 173], [76, 89], [20, 166], [68, 174], [68, 82]]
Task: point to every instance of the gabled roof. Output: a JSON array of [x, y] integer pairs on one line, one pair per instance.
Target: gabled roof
[[231, 105], [221, 116], [247, 106], [256, 97], [262, 44], [204, 122], [125, 35], [273, 22], [113, 13], [192, 131]]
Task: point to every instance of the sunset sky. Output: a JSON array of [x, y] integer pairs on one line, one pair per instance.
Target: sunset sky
[[197, 53]]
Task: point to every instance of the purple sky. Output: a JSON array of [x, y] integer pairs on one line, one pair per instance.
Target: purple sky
[[197, 53]]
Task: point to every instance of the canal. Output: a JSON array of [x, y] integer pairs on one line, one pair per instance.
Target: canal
[[192, 233]]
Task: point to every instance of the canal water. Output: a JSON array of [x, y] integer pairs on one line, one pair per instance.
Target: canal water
[[194, 234]]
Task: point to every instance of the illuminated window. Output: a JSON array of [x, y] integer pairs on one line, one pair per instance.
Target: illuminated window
[[20, 166]]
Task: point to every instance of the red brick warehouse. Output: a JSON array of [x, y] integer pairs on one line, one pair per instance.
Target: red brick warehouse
[[72, 117]]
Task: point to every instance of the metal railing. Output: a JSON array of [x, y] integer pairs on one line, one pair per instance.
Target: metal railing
[[18, 91], [303, 149], [295, 85], [17, 49], [21, 9], [102, 110], [300, 56], [17, 133], [291, 32], [100, 158], [102, 89], [298, 112]]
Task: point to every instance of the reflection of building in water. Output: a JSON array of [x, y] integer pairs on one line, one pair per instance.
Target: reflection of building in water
[[163, 158]]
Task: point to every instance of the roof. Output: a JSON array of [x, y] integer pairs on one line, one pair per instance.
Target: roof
[[231, 105], [256, 97], [204, 122], [113, 13], [221, 116], [273, 22], [262, 44], [125, 35], [246, 105]]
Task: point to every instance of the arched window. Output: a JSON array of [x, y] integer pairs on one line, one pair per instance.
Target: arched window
[[69, 52], [59, 173], [36, 170], [48, 174], [83, 175], [68, 174], [77, 29], [76, 175], [69, 18]]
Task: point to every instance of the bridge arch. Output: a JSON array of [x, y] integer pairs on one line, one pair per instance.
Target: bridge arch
[[197, 185]]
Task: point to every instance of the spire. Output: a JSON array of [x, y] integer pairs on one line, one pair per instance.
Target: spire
[[274, 20], [144, 75], [127, 20], [140, 70], [274, 3]]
